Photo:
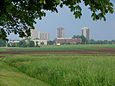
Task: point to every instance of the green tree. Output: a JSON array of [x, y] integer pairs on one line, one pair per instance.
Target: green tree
[[50, 42], [42, 43], [76, 36], [18, 16], [37, 45], [22, 43], [31, 44], [84, 40], [2, 43], [3, 34]]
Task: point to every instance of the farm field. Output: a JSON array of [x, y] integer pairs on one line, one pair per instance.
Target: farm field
[[71, 65], [3, 50]]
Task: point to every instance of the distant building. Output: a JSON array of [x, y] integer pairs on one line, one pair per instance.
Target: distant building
[[40, 41], [44, 36], [67, 40], [35, 34], [13, 41], [60, 33], [86, 33]]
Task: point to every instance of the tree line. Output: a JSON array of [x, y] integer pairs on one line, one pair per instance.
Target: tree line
[[22, 43], [92, 41], [3, 43]]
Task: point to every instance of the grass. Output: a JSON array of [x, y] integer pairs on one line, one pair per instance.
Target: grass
[[58, 69], [66, 47], [10, 76], [3, 50], [62, 47], [64, 70]]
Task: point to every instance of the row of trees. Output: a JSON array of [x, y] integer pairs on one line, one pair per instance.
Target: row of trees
[[101, 42], [92, 41], [24, 43]]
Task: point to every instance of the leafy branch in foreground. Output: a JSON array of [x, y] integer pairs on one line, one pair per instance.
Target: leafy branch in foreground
[[18, 16]]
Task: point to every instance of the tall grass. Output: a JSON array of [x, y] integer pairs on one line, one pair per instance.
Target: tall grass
[[69, 70], [10, 76]]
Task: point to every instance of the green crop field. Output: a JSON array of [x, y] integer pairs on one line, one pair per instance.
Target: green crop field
[[3, 50], [59, 69], [66, 47]]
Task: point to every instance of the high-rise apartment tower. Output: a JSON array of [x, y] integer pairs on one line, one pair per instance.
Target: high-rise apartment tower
[[44, 36], [35, 34], [86, 33], [60, 33]]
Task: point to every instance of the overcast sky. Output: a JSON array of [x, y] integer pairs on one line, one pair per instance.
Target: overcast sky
[[100, 30]]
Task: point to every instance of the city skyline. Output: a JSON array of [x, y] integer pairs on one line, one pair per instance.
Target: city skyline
[[60, 34], [100, 30], [42, 35]]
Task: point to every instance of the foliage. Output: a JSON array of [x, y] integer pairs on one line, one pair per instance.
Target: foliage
[[42, 43], [84, 40], [31, 44], [18, 16], [50, 42], [37, 45], [23, 43], [26, 43], [2, 43], [101, 42], [3, 34]]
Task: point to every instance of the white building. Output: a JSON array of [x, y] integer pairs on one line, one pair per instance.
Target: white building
[[40, 39], [35, 34], [86, 33], [13, 41]]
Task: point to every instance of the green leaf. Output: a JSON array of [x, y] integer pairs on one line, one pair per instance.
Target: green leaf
[[44, 2], [58, 1], [41, 1], [61, 5]]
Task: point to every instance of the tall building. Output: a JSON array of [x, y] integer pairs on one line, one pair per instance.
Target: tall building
[[35, 34], [60, 33], [86, 33], [44, 36]]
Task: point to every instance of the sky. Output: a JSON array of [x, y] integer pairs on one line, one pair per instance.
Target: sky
[[99, 30]]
